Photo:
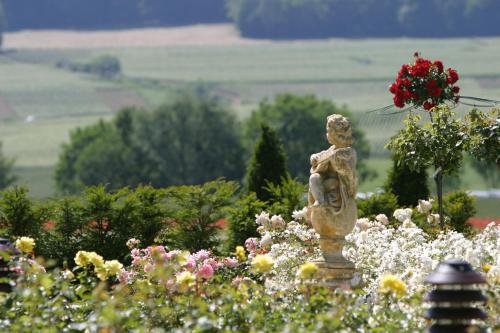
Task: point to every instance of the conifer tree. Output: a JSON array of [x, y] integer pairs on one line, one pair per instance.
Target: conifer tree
[[6, 176], [268, 164], [408, 186]]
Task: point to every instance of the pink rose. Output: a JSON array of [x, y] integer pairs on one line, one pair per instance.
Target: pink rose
[[231, 262], [206, 271], [202, 255]]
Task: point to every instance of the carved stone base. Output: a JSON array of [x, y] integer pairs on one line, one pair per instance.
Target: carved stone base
[[335, 274]]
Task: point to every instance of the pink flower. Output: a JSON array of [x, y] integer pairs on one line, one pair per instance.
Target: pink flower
[[148, 267], [212, 262], [251, 244], [126, 276], [136, 261], [190, 264], [171, 254], [206, 271], [135, 253], [231, 262], [202, 255]]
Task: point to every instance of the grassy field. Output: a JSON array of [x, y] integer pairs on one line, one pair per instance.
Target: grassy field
[[45, 102]]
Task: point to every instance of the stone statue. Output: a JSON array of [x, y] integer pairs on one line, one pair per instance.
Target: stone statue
[[332, 206]]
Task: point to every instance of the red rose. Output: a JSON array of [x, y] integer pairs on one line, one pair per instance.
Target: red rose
[[452, 76], [456, 90], [439, 65], [421, 67], [428, 105], [406, 82], [404, 70], [433, 89], [393, 88], [398, 101]]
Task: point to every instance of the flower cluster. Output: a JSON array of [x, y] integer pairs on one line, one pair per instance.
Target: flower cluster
[[177, 270], [424, 84], [409, 254], [102, 269], [287, 245]]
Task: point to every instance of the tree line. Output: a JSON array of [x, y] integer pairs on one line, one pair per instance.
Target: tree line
[[275, 19], [194, 139]]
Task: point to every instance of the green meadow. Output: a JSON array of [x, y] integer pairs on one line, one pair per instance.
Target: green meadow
[[40, 103]]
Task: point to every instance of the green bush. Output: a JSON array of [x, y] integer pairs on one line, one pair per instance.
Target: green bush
[[408, 186], [104, 66], [268, 164], [19, 216], [242, 220], [459, 207], [194, 213], [382, 203], [287, 197]]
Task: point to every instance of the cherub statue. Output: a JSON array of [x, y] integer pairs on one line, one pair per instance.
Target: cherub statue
[[333, 177]]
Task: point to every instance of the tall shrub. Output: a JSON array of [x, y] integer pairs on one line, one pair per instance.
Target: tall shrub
[[242, 220], [409, 186], [267, 164]]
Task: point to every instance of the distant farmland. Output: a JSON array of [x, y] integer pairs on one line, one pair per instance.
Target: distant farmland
[[40, 103]]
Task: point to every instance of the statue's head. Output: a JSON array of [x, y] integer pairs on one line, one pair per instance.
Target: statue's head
[[338, 130]]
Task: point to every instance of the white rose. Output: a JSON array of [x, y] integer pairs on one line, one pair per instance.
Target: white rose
[[424, 206], [403, 214], [266, 240], [382, 218]]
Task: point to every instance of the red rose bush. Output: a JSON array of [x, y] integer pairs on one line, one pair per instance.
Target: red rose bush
[[425, 84]]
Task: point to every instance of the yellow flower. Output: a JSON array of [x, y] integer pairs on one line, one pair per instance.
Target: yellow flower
[[101, 273], [113, 267], [262, 263], [82, 258], [392, 284], [96, 259], [240, 253], [25, 244], [308, 270], [185, 280], [182, 258], [486, 268]]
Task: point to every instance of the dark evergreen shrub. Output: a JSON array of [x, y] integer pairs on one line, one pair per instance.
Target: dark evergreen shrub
[[268, 164], [408, 186]]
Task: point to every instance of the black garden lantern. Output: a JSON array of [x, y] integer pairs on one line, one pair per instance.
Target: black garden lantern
[[6, 274], [454, 302]]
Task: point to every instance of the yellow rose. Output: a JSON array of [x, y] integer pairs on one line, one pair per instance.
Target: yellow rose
[[185, 280], [262, 263], [113, 267], [486, 268], [101, 273], [82, 258], [308, 270], [96, 259], [240, 253], [392, 284], [25, 244]]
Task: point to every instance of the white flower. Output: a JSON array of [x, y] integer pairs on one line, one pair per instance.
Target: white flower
[[299, 214], [382, 218], [424, 206], [407, 224], [132, 243], [433, 218], [403, 214], [262, 219], [363, 223], [266, 240], [277, 222]]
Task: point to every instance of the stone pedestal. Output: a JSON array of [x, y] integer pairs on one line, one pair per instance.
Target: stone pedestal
[[334, 270]]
